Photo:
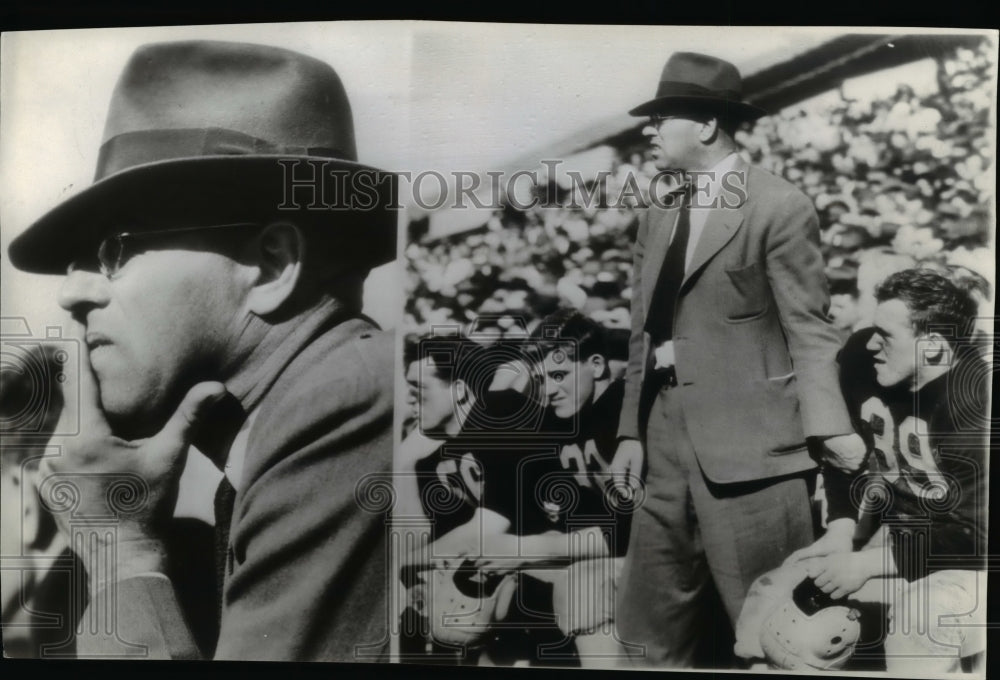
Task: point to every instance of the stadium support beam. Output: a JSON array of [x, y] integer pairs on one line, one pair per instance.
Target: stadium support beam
[[828, 65]]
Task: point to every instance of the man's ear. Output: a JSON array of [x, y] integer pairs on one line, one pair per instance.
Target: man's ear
[[709, 130], [599, 365], [278, 252], [935, 350], [461, 392]]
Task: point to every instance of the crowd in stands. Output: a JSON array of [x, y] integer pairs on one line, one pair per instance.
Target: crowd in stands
[[898, 181]]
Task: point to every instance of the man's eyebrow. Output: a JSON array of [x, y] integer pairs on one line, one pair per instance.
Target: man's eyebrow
[[879, 330]]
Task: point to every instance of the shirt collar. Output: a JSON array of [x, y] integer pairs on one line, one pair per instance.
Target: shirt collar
[[224, 435], [249, 387], [238, 452], [710, 181]]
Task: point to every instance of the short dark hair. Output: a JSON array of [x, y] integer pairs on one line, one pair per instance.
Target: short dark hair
[[411, 347], [934, 302], [968, 280], [728, 124], [618, 341], [454, 357], [725, 120], [326, 263], [575, 334]]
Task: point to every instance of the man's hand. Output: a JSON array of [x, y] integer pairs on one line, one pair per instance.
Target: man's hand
[[626, 467], [841, 574], [845, 452], [464, 542], [839, 538], [133, 485]]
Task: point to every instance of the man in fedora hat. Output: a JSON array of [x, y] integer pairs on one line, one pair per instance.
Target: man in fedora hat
[[220, 305], [731, 370]]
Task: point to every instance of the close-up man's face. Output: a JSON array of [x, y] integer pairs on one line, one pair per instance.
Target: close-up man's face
[[674, 141], [894, 344], [161, 324], [435, 402], [569, 384]]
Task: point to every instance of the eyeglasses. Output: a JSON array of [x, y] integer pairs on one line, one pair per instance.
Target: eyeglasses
[[116, 250], [656, 120]]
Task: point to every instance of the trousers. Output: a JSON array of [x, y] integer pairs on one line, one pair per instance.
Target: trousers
[[688, 532]]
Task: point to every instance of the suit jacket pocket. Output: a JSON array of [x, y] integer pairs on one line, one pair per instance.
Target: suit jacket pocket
[[783, 418], [747, 298]]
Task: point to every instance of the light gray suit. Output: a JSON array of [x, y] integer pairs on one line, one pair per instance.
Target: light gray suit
[[726, 453]]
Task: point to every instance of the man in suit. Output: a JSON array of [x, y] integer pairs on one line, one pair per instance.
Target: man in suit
[[216, 307], [731, 370]]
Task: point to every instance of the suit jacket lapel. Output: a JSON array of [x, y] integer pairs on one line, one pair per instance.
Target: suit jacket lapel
[[720, 227]]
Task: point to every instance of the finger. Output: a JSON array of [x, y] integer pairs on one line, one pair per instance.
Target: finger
[[815, 550], [174, 436], [838, 593], [81, 391], [798, 556], [486, 565], [634, 480]]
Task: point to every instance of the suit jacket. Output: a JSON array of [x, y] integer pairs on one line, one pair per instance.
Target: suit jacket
[[307, 573], [755, 350]]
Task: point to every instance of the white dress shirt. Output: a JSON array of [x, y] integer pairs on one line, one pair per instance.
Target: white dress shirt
[[705, 193]]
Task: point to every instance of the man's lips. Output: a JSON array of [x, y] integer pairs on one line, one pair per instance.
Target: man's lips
[[95, 340]]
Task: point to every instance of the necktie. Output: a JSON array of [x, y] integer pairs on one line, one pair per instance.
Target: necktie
[[214, 437], [660, 319], [225, 500]]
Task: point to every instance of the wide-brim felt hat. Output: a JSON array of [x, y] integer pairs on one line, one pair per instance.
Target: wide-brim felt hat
[[699, 82], [201, 133]]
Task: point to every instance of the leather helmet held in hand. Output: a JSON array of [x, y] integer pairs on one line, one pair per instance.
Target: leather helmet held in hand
[[808, 631], [462, 604]]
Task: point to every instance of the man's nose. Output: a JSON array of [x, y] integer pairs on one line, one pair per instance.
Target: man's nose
[[650, 131], [874, 343], [83, 289]]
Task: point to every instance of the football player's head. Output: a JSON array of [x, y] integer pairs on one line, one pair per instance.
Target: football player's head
[[920, 318], [442, 374], [573, 363]]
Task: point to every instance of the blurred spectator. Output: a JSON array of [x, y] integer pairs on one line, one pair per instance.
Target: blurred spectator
[[42, 600], [844, 306], [617, 341]]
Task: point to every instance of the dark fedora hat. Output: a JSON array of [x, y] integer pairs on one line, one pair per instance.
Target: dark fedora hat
[[692, 81], [205, 132]]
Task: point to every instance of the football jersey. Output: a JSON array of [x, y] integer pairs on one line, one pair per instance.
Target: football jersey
[[552, 476], [925, 476]]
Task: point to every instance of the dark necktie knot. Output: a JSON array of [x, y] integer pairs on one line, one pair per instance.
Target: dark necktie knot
[[214, 434], [679, 195]]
